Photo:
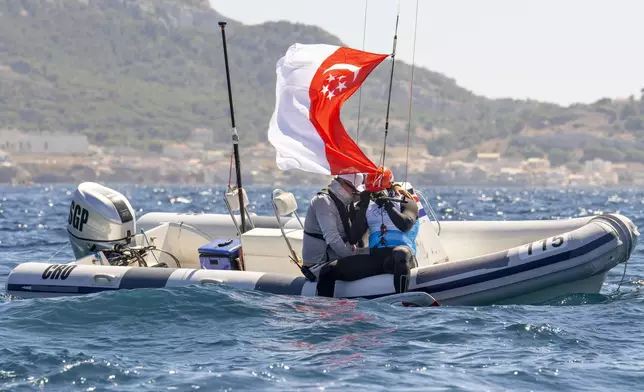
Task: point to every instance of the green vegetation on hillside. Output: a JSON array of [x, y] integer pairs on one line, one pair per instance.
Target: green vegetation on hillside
[[144, 71]]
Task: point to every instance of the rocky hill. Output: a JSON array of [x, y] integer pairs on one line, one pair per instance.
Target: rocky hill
[[141, 72]]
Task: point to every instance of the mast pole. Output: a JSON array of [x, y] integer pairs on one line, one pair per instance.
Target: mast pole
[[391, 80], [234, 132]]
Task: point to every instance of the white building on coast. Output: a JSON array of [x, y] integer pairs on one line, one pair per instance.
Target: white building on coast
[[49, 143]]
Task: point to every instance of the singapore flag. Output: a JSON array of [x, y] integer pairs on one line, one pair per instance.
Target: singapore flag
[[313, 81]]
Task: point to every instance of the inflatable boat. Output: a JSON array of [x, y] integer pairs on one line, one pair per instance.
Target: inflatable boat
[[459, 262]]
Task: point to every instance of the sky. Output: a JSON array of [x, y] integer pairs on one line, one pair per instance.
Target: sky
[[561, 51]]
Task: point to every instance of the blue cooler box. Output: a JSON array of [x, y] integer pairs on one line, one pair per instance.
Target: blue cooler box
[[219, 254]]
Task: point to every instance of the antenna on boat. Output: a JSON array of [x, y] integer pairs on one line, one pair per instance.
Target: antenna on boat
[[234, 132], [391, 80]]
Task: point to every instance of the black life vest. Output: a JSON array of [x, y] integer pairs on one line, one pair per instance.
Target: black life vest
[[347, 215]]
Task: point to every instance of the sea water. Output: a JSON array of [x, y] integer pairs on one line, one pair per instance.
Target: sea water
[[216, 338]]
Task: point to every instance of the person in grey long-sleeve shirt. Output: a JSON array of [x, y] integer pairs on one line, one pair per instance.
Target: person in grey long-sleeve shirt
[[325, 237]]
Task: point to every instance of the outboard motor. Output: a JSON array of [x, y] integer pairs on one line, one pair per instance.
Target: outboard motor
[[99, 218]]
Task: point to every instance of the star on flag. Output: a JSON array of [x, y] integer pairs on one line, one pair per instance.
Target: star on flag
[[334, 87]]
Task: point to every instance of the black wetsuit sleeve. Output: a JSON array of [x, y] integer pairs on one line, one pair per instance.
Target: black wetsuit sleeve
[[406, 218], [359, 226]]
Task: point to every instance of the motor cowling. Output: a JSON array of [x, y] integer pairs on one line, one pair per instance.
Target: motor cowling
[[99, 218]]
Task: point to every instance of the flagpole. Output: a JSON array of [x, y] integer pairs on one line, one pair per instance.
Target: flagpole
[[234, 132], [391, 80]]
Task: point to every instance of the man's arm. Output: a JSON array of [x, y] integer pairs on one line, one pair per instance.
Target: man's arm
[[327, 215], [359, 226], [406, 218]]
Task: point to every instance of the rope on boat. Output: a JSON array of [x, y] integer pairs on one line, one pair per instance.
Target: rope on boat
[[623, 275], [58, 251], [364, 36], [411, 89], [230, 171]]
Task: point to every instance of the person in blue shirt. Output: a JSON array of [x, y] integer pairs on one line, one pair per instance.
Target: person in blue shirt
[[391, 215]]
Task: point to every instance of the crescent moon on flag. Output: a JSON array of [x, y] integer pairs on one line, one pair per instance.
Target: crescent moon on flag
[[353, 68]]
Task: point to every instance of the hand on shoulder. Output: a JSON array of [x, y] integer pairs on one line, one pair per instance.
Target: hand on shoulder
[[401, 191]]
